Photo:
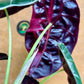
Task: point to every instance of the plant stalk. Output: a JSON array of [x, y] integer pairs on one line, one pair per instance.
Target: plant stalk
[[10, 49], [36, 43], [24, 70], [51, 76], [33, 48]]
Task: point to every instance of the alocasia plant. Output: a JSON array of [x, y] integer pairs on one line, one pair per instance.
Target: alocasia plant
[[65, 17], [61, 19]]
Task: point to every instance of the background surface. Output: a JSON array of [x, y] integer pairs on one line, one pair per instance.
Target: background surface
[[19, 52]]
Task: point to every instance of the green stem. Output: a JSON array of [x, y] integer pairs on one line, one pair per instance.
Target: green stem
[[33, 48], [51, 76], [10, 48], [36, 43], [24, 70]]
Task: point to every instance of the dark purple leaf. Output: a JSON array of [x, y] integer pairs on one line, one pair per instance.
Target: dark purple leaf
[[65, 16], [11, 10], [3, 56], [29, 80]]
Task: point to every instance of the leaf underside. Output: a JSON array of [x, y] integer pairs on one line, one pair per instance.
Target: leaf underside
[[10, 3], [65, 16]]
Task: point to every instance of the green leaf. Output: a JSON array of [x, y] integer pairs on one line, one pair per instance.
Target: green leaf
[[70, 63], [9, 3]]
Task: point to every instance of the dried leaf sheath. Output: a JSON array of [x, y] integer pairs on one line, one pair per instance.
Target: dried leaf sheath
[[65, 16]]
